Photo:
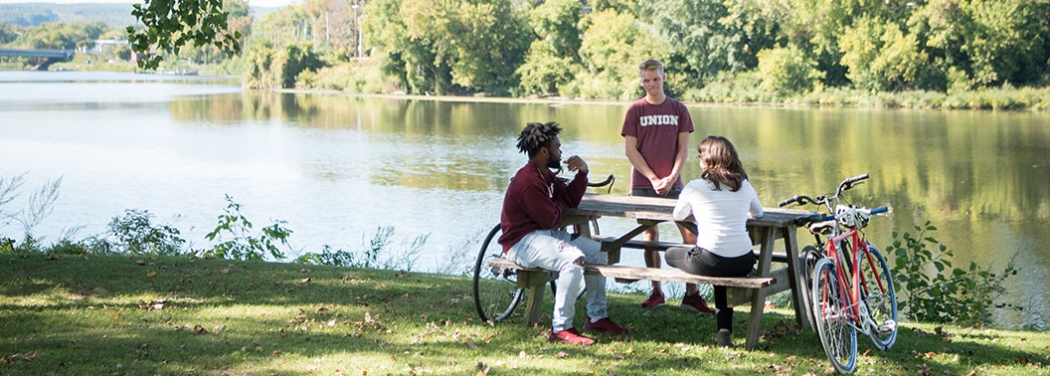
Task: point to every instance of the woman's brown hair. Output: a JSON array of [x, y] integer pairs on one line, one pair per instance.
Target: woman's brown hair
[[721, 164]]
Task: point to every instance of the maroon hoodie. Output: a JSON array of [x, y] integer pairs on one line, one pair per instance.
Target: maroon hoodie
[[533, 203]]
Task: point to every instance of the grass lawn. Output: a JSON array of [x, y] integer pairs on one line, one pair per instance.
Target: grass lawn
[[116, 315]]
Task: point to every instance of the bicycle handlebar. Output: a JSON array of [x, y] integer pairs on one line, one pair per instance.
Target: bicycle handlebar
[[848, 184], [815, 217], [608, 180], [845, 185], [801, 200]]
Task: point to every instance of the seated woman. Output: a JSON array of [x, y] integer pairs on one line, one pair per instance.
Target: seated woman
[[720, 202]]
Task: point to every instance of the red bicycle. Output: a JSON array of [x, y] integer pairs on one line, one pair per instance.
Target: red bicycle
[[850, 287]]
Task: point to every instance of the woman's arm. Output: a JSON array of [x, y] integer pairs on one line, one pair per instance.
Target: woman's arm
[[683, 210]]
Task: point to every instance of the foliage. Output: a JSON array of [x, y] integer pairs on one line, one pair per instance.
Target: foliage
[[552, 57], [449, 47], [612, 47], [544, 71], [933, 291], [377, 254], [992, 41], [40, 205], [702, 45], [880, 56], [9, 191], [66, 36], [787, 70], [236, 241], [168, 25], [136, 234], [278, 68]]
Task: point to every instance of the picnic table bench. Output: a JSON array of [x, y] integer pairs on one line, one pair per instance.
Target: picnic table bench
[[775, 224]]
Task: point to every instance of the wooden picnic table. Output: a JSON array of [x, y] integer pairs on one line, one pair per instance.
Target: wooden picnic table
[[775, 224]]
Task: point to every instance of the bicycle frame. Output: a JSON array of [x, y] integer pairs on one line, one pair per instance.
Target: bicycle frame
[[858, 316]]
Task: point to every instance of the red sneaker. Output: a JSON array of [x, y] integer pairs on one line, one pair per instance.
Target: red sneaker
[[603, 325], [570, 336], [653, 301], [696, 303]]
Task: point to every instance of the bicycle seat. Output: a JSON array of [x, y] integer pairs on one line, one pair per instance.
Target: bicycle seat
[[823, 227]]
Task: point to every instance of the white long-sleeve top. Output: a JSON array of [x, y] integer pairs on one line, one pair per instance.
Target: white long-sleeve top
[[720, 215]]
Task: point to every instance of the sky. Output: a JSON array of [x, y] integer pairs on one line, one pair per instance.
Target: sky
[[254, 3]]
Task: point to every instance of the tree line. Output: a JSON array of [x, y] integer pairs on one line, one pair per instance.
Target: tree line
[[713, 49], [591, 49]]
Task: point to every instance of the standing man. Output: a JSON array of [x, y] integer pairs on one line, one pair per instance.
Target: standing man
[[531, 209], [656, 131]]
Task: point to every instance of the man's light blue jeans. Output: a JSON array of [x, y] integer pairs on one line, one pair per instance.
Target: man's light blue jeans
[[556, 250]]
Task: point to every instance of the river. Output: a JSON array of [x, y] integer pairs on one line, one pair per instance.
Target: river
[[336, 167]]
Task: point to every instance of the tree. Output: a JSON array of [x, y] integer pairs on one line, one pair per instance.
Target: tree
[[171, 24], [702, 44], [8, 33], [880, 56], [67, 36], [553, 57], [449, 46], [613, 46], [787, 70], [991, 41]]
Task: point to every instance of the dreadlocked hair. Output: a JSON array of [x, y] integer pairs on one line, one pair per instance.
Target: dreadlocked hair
[[536, 136]]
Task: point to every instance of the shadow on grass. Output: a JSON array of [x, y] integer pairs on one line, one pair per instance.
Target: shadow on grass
[[83, 316]]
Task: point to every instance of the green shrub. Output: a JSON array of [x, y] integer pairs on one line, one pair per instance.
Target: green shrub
[[236, 241], [376, 254], [930, 290], [136, 234]]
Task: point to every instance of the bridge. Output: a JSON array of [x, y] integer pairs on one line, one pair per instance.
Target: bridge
[[50, 56]]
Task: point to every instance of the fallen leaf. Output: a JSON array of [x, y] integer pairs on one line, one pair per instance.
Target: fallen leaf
[[153, 304], [151, 274], [198, 329], [562, 355]]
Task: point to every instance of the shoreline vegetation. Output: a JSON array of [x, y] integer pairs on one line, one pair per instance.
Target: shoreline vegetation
[[1016, 100], [991, 99]]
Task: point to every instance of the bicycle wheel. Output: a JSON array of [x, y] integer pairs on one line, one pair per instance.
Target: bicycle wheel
[[837, 334], [807, 264], [496, 291], [879, 299]]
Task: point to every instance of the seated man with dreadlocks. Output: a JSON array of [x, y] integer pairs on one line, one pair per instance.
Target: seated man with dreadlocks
[[531, 210]]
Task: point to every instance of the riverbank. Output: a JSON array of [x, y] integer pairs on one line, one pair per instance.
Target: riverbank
[[734, 93], [1009, 99], [178, 315]]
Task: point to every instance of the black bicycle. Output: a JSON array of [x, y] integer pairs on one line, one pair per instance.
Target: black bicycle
[[496, 292]]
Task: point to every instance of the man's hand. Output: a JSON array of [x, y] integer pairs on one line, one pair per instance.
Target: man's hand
[[575, 163], [663, 186]]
